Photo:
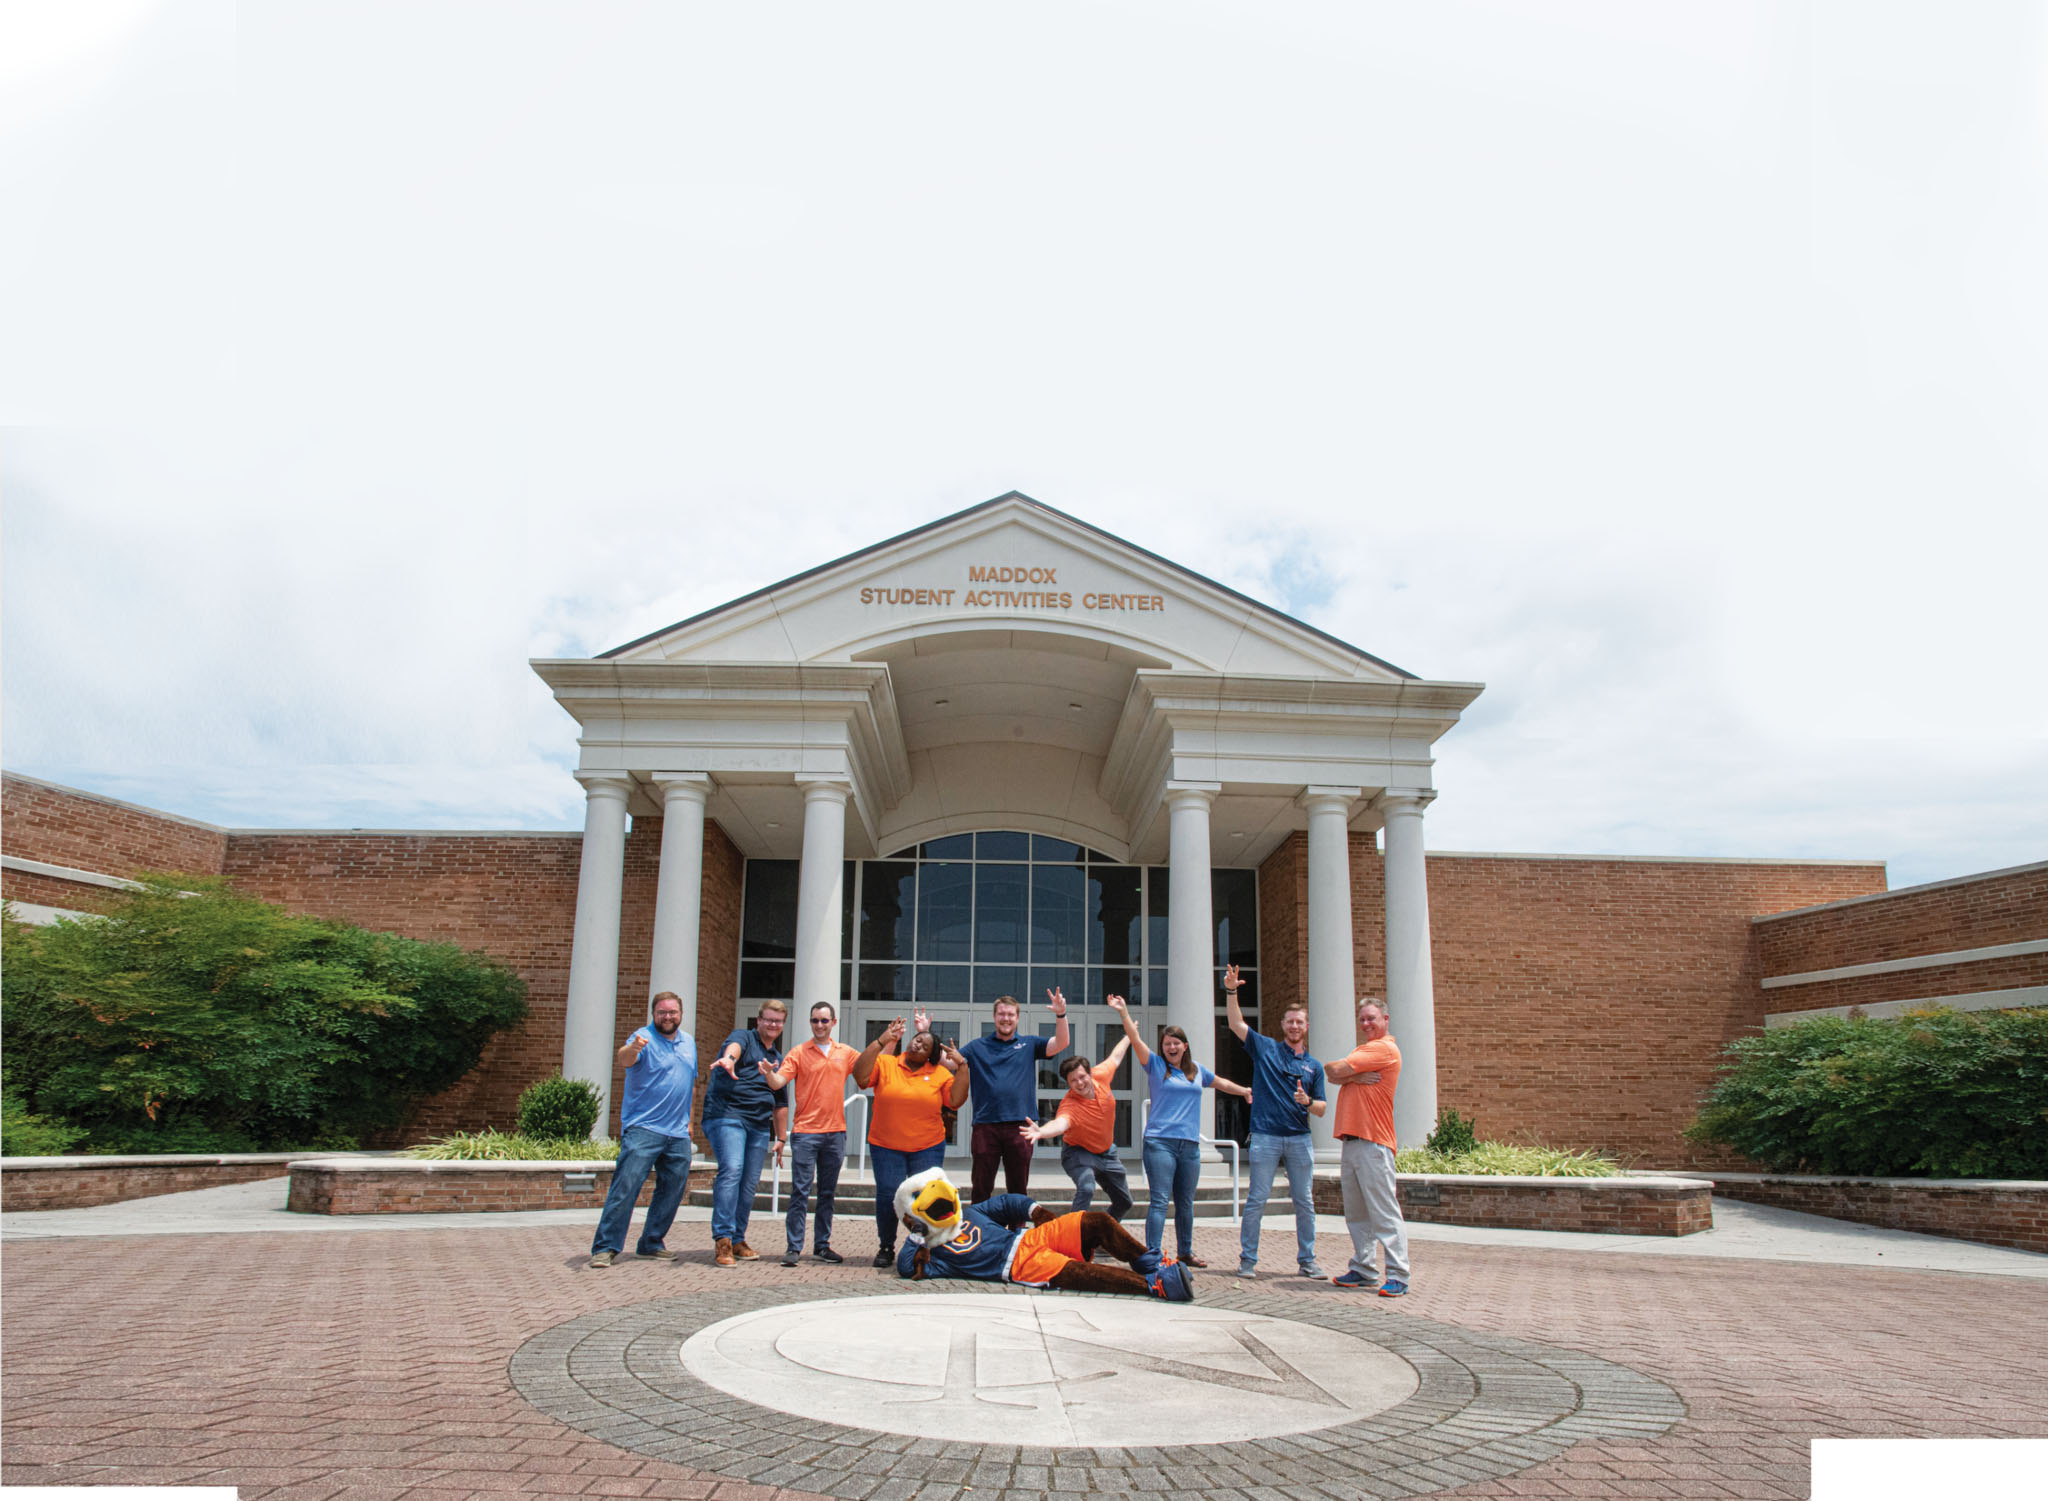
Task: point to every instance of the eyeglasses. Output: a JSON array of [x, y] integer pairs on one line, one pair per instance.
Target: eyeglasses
[[821, 1021]]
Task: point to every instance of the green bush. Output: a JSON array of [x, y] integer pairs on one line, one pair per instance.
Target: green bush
[[558, 1109], [1936, 1093], [498, 1146], [26, 1135], [1500, 1159], [191, 1018], [1453, 1134]]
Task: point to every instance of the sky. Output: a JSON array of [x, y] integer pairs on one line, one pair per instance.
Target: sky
[[1677, 371]]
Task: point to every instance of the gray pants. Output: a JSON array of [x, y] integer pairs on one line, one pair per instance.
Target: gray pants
[[1088, 1169], [1372, 1211]]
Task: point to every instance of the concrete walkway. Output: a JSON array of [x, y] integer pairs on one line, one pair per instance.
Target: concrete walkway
[[1749, 1232]]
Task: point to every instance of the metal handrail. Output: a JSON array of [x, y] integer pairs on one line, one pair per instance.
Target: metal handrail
[[856, 1097], [1236, 1203]]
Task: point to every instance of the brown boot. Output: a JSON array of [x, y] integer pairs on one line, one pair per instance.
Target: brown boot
[[723, 1248], [744, 1251]]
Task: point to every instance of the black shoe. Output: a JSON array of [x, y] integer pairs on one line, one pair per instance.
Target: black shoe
[[789, 1258], [884, 1257], [826, 1253]]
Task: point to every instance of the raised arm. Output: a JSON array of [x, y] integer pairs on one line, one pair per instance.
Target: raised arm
[[1057, 1044], [1231, 1086], [1122, 1008], [1232, 1013], [864, 1065], [1116, 1054], [955, 1060]]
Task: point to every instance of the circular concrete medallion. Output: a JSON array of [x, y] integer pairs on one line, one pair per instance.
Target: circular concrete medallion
[[1048, 1370]]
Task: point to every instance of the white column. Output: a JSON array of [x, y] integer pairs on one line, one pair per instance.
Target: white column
[[679, 891], [588, 1036], [1332, 977], [1191, 928], [1411, 992], [818, 901]]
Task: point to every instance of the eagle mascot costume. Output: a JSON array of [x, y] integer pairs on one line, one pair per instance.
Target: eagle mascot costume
[[1010, 1238]]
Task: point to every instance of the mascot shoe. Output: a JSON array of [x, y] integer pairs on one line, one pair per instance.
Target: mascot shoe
[[1172, 1283]]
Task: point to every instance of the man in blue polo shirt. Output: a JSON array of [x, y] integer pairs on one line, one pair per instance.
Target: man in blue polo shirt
[[1287, 1088], [660, 1060], [1004, 1068]]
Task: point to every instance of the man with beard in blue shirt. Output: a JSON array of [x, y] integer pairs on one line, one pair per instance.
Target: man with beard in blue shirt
[[1287, 1088], [1005, 1070], [660, 1060]]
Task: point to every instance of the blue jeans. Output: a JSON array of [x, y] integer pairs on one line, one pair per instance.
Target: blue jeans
[[1269, 1154], [818, 1154], [1087, 1169], [1173, 1166], [640, 1150], [741, 1150], [891, 1168]]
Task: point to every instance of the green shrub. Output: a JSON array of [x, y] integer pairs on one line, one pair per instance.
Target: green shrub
[[1500, 1159], [26, 1135], [498, 1146], [556, 1109], [1939, 1093], [1453, 1134], [191, 1018]]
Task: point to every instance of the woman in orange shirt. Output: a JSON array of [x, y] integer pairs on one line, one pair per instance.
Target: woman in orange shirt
[[907, 1129]]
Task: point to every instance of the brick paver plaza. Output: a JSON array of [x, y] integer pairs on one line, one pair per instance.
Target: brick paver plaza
[[433, 1363]]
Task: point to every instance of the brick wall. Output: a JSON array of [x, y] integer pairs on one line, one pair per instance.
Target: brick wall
[[90, 1183], [451, 1188], [61, 826], [1995, 1214], [1597, 1206], [53, 891], [2001, 907]]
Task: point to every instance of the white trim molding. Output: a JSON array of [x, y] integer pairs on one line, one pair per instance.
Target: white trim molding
[[67, 873], [36, 915], [1981, 1000], [1917, 961]]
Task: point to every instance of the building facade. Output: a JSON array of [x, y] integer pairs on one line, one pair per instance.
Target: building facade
[[1008, 752]]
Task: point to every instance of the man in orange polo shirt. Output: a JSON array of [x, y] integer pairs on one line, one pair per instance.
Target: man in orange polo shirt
[[1365, 1127], [1087, 1120], [818, 1139]]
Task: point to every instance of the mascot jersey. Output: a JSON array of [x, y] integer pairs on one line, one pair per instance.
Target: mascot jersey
[[984, 1246]]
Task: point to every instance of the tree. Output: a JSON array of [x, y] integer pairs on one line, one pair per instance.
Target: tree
[[191, 1017]]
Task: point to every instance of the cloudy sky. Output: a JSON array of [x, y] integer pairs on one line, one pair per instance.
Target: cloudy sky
[[1679, 371]]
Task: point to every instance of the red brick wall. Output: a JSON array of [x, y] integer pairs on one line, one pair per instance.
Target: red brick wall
[[1979, 912], [1997, 1214], [85, 1185], [51, 891], [60, 826]]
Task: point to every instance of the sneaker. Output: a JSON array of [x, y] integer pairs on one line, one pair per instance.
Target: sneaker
[[1357, 1281], [789, 1258], [1315, 1273], [826, 1253], [722, 1252], [745, 1252], [1393, 1287], [1173, 1284], [664, 1254], [884, 1257], [599, 1260], [1247, 1269]]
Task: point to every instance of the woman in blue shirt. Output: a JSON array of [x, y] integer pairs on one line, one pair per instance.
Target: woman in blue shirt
[[1173, 1130]]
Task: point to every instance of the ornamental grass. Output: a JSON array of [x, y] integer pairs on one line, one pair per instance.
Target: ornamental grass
[[1501, 1159], [503, 1146]]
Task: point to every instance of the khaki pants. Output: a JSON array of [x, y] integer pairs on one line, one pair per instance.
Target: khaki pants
[[1372, 1211]]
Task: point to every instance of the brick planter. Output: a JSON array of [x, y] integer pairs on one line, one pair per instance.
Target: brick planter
[[28, 1183], [387, 1185], [1603, 1206], [2012, 1212]]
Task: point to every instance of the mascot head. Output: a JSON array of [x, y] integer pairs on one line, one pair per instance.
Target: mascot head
[[929, 1206]]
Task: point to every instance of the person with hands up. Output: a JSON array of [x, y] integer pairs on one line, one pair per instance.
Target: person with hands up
[[1287, 1088], [745, 1116], [908, 1127], [1006, 1095], [817, 1140], [660, 1060], [1173, 1130], [1085, 1127]]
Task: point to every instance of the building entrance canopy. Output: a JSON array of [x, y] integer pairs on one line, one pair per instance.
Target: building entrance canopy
[[1006, 668]]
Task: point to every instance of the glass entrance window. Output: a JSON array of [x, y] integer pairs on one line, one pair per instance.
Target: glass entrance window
[[949, 925]]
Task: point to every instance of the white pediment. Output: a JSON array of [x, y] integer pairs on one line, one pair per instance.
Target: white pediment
[[1010, 570]]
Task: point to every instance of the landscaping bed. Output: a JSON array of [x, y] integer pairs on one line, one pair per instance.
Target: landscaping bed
[[30, 1183], [1602, 1206], [398, 1185], [1993, 1212]]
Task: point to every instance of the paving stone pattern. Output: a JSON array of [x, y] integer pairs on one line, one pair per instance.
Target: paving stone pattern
[[375, 1365], [1487, 1406]]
